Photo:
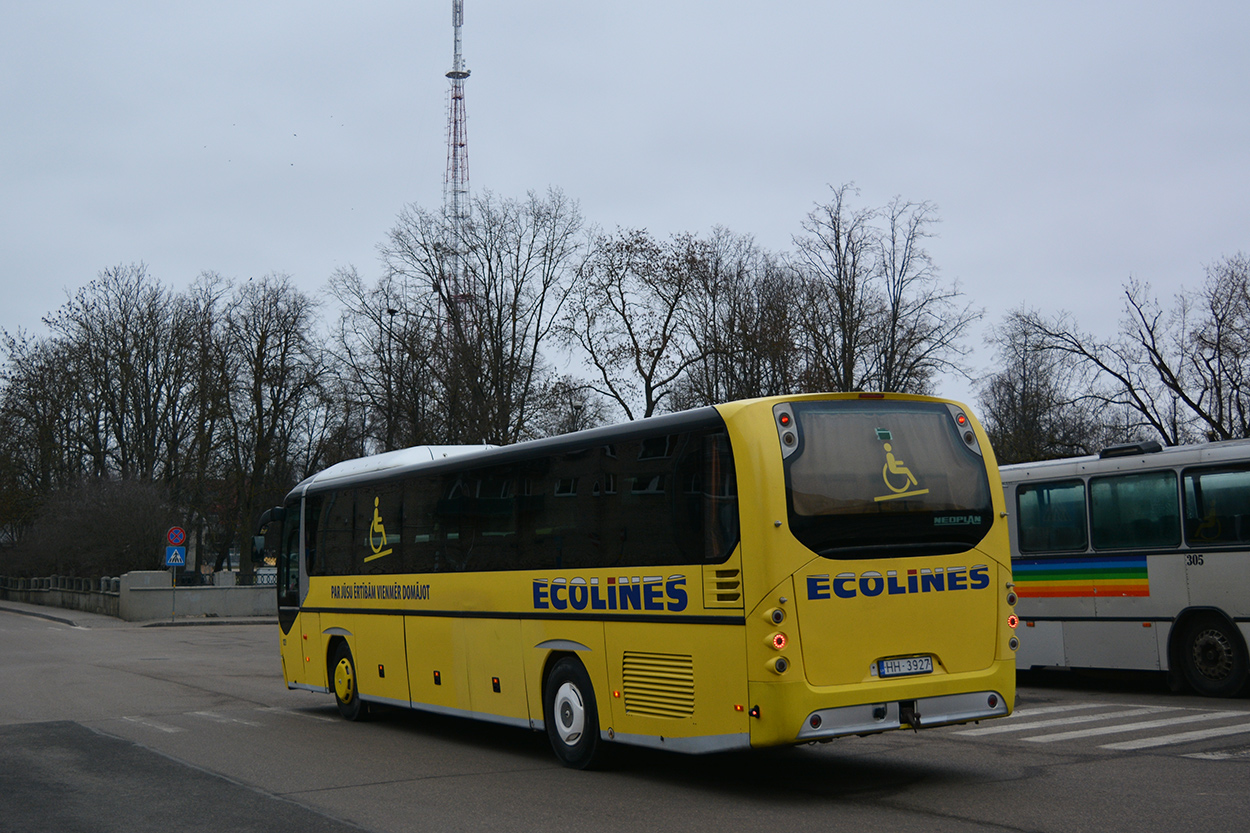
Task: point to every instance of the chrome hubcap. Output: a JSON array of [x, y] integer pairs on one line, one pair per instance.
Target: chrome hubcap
[[570, 713]]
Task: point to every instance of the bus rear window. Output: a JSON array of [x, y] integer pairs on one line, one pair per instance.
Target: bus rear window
[[876, 477]]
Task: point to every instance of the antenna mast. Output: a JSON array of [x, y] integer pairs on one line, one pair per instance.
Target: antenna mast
[[456, 180]]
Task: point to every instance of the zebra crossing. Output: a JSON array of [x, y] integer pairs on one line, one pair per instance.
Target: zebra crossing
[[1164, 726]]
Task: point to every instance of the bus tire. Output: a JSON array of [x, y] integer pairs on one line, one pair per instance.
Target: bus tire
[[343, 673], [1213, 657], [570, 714]]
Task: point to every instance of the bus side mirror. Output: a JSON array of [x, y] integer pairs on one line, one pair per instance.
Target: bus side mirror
[[258, 549]]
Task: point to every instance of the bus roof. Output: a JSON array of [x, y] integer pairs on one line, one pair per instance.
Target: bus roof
[[397, 463], [1170, 457]]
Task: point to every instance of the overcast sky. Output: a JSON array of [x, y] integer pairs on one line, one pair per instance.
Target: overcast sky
[[1067, 145]]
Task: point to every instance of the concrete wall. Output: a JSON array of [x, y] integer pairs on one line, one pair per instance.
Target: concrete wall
[[148, 595], [142, 596]]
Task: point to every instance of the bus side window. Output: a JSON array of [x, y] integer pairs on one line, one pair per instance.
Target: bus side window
[[336, 541], [1217, 506], [1052, 516], [424, 537], [706, 503], [312, 521], [288, 558], [1135, 510]]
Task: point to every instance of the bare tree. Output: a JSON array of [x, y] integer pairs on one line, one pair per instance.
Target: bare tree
[[841, 304], [384, 341], [922, 320], [124, 332], [627, 316], [1183, 371], [1144, 368], [743, 316], [875, 314], [1035, 407], [496, 292], [276, 367]]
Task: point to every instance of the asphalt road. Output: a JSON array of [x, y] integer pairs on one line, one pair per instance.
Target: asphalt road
[[108, 726]]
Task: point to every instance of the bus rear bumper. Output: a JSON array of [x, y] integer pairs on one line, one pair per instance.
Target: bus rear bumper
[[921, 713]]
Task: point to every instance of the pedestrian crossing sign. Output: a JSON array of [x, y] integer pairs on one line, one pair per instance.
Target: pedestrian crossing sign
[[175, 556]]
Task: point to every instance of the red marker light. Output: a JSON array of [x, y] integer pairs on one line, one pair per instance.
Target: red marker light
[[1013, 621], [962, 420], [784, 419], [779, 641]]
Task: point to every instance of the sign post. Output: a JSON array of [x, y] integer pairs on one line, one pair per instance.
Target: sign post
[[175, 557]]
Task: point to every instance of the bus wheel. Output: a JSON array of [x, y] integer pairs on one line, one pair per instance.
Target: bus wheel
[[345, 693], [1213, 658], [570, 714]]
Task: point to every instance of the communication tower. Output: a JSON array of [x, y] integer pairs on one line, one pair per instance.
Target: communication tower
[[456, 180]]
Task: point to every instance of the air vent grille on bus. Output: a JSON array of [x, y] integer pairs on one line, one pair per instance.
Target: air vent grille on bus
[[658, 685], [722, 587]]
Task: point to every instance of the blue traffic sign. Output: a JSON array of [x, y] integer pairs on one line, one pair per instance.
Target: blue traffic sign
[[175, 556]]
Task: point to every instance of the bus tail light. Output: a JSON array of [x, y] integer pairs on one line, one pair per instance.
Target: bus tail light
[[779, 641], [1013, 621]]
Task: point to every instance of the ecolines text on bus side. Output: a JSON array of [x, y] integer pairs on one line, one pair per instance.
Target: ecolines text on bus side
[[626, 593]]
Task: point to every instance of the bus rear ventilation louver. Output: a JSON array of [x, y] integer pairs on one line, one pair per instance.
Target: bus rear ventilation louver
[[658, 685], [722, 588]]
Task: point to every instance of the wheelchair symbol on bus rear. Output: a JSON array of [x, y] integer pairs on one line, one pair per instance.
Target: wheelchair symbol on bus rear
[[896, 468]]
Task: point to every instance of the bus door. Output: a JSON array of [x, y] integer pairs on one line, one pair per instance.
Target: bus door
[[301, 641]]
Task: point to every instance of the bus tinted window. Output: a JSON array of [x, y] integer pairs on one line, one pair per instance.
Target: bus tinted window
[[1135, 510], [872, 475], [338, 535], [1052, 517], [1217, 506], [677, 505]]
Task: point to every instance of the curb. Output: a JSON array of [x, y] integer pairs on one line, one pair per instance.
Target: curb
[[191, 623], [37, 615]]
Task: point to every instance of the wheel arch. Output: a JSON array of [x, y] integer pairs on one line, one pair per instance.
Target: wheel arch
[[1190, 614], [552, 658], [334, 638]]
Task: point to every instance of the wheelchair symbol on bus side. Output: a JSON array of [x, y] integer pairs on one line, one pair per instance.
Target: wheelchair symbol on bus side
[[376, 529]]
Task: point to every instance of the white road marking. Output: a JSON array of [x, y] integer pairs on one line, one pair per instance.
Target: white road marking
[[1183, 737], [217, 718], [1056, 709], [1062, 721], [1133, 727], [152, 724]]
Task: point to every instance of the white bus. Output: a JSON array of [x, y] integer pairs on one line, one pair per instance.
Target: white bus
[[1138, 558]]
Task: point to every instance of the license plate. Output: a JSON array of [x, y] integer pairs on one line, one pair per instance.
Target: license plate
[[905, 666]]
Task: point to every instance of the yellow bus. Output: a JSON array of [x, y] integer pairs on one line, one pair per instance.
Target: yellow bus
[[766, 572]]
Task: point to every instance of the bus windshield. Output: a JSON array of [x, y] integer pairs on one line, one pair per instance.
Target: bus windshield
[[874, 476]]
